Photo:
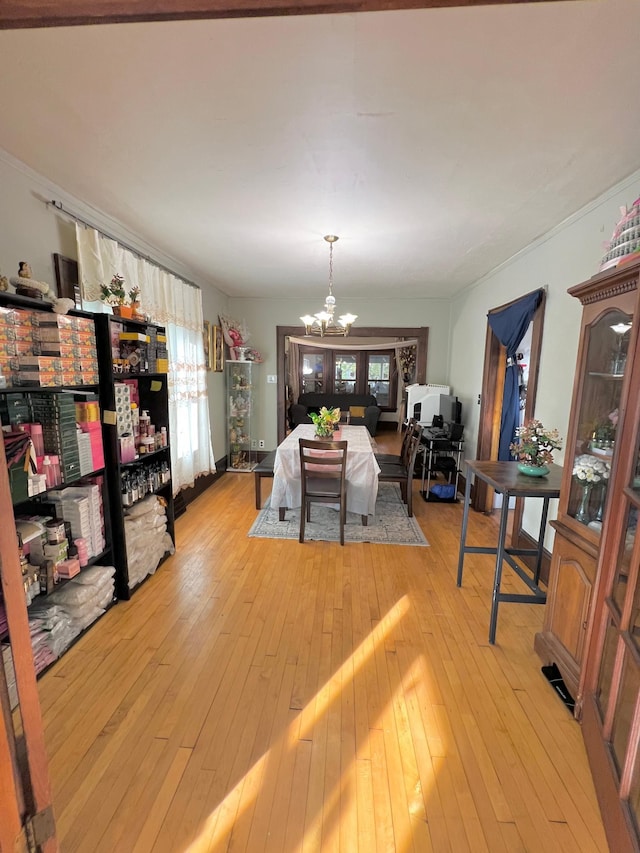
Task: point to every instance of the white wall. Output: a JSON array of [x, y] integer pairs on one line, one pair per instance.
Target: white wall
[[263, 315], [31, 231], [568, 255]]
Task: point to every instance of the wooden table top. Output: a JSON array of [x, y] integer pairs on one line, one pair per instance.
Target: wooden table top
[[505, 478]]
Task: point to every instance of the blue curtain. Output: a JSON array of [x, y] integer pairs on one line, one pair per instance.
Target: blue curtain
[[510, 326]]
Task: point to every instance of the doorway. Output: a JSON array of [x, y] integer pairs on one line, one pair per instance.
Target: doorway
[[420, 334], [491, 402]]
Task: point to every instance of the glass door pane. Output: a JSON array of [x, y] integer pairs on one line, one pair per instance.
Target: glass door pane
[[603, 690], [625, 709], [379, 377], [313, 372], [345, 373], [606, 356], [624, 563]]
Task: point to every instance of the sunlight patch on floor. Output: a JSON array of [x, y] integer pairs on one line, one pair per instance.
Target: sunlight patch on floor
[[218, 826]]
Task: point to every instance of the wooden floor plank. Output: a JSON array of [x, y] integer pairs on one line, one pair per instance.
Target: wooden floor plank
[[269, 695]]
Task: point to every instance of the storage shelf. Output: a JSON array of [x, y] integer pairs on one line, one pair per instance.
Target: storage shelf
[[154, 492], [152, 387], [97, 473], [50, 389], [16, 301], [78, 637], [94, 561], [118, 377], [141, 459]]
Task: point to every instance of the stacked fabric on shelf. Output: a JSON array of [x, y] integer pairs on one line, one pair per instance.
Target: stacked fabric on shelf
[[145, 529], [57, 619]]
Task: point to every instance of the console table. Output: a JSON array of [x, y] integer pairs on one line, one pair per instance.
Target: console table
[[505, 478]]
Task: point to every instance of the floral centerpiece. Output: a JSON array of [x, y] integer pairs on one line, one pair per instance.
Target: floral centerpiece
[[589, 471], [326, 421], [533, 449]]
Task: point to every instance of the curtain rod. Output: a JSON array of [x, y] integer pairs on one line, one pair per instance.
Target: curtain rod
[[57, 205]]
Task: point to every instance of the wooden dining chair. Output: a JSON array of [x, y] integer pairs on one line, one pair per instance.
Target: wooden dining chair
[[402, 457], [402, 472], [323, 466]]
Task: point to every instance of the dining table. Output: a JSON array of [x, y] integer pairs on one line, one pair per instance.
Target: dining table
[[361, 473]]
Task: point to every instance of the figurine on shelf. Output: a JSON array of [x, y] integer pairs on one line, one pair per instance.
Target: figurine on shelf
[[26, 285]]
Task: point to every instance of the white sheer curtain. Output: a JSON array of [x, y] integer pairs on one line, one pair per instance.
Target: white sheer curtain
[[172, 303]]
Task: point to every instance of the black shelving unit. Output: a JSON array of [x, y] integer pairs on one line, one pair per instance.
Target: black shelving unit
[[441, 457], [153, 394], [41, 504]]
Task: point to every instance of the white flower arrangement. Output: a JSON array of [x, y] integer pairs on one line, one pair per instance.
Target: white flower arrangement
[[589, 470]]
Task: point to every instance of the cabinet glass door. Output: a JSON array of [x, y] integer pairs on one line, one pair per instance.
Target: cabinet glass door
[[618, 684], [605, 362]]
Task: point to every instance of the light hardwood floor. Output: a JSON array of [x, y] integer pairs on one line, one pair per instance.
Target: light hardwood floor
[[265, 695]]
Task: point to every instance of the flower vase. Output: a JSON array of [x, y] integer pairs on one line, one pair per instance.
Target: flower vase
[[603, 496], [324, 433], [533, 470], [582, 513]]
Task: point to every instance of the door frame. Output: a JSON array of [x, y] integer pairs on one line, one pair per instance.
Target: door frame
[[491, 411]]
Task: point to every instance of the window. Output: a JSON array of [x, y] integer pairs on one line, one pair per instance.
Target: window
[[360, 372], [312, 365], [345, 372], [379, 377]]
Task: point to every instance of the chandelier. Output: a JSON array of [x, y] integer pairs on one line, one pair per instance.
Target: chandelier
[[323, 322]]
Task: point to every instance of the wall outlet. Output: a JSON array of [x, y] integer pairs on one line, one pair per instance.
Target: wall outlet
[[272, 378], [261, 444], [254, 444]]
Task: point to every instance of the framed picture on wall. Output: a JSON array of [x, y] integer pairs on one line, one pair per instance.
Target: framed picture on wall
[[206, 340], [217, 349]]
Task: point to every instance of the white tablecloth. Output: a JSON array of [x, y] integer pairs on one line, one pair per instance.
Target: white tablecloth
[[362, 469]]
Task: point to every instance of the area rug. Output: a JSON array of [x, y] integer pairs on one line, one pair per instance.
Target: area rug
[[390, 524]]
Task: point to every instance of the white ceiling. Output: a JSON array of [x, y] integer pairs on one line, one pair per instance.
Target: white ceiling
[[436, 143]]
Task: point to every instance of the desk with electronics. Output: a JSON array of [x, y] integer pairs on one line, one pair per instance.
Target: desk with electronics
[[442, 446]]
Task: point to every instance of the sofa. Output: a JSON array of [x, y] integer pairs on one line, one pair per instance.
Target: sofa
[[363, 408]]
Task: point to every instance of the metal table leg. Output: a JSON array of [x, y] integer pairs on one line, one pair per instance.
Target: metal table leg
[[463, 531], [504, 513]]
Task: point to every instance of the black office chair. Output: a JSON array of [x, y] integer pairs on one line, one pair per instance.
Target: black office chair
[[323, 466], [402, 472]]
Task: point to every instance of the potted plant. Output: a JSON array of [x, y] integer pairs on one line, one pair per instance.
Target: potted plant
[[134, 299], [533, 448], [326, 421], [114, 294]]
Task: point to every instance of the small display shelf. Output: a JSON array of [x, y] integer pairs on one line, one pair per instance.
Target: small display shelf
[[241, 416]]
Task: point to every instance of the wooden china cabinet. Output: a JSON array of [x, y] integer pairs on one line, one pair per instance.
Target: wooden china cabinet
[[611, 681], [593, 446]]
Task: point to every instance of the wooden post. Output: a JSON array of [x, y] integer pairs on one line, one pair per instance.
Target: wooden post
[[35, 776]]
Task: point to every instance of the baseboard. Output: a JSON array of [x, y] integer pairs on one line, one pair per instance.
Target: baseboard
[[190, 493], [387, 426]]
